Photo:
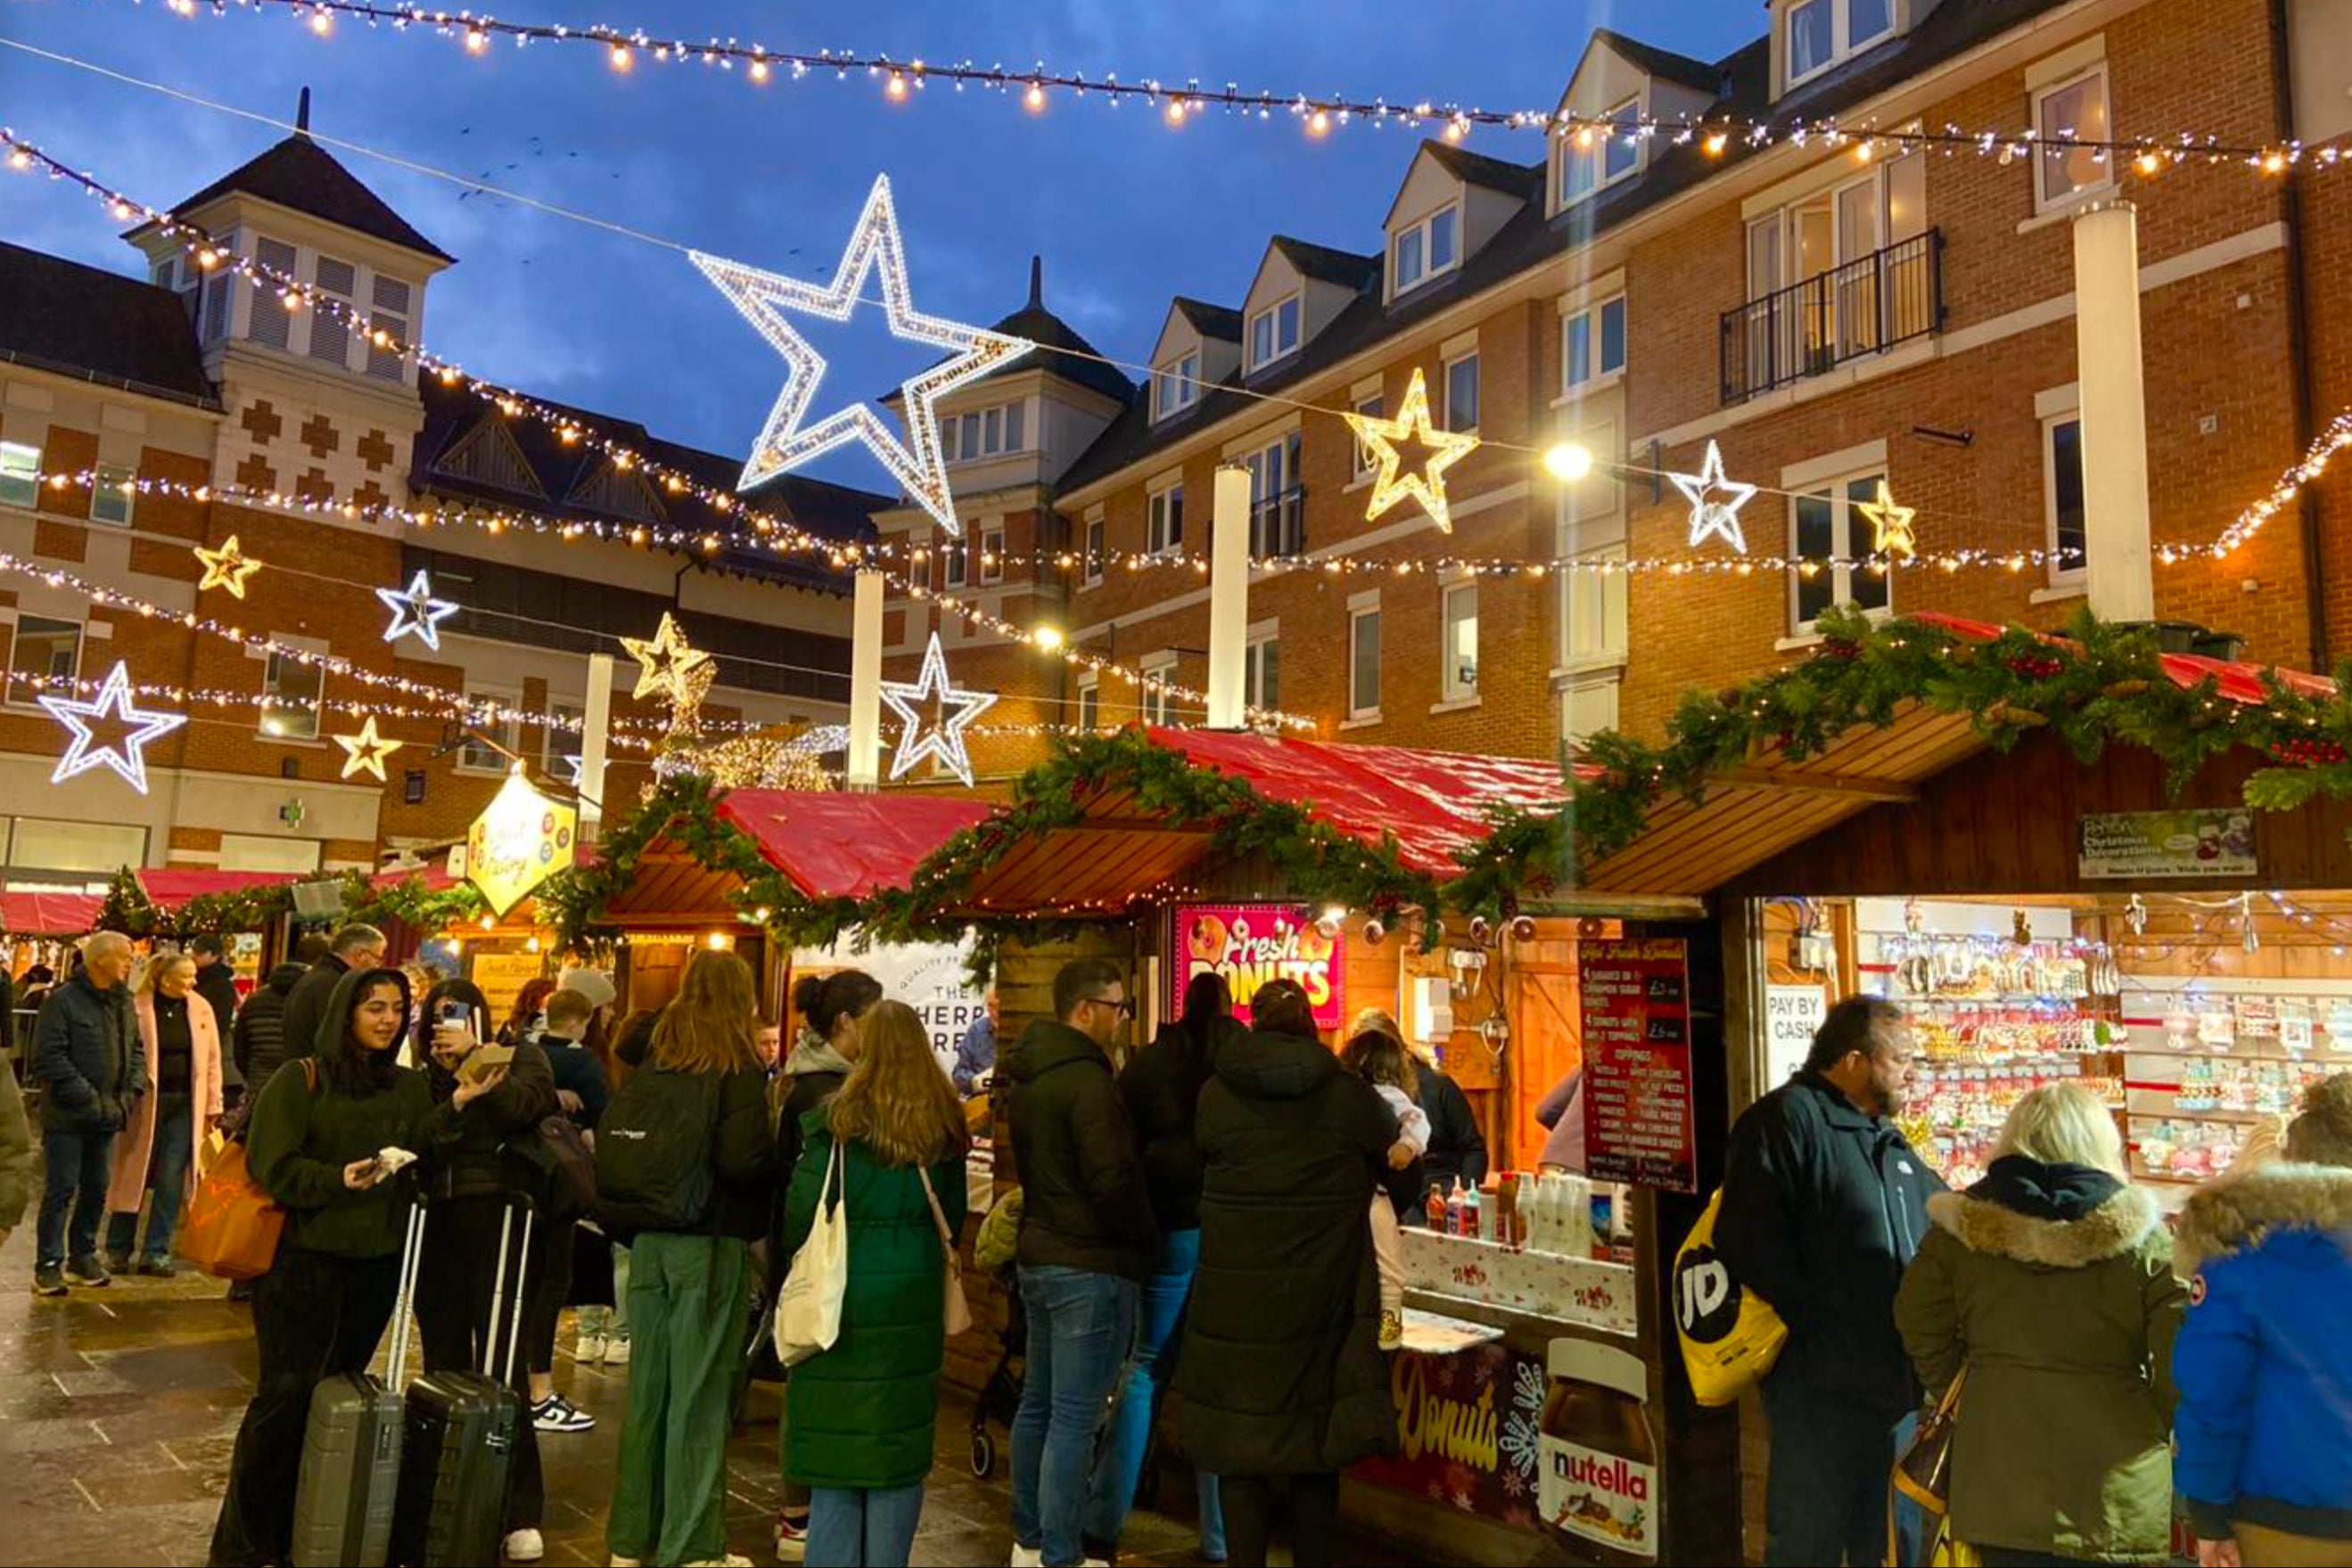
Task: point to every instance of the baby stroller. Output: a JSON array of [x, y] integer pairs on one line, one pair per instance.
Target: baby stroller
[[1000, 1396]]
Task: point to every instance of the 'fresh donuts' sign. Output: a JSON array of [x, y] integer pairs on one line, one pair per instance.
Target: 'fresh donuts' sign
[[1251, 944]]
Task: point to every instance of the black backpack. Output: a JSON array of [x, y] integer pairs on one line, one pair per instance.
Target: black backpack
[[655, 1145]]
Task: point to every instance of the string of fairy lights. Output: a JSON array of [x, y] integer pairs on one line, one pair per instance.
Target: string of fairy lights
[[1177, 102]]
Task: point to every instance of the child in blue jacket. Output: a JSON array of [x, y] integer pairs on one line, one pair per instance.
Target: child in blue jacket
[[2264, 1362]]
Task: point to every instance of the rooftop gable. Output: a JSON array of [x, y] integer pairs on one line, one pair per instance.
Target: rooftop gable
[[299, 175]]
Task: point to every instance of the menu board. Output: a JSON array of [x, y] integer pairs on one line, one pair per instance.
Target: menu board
[[1638, 1126]]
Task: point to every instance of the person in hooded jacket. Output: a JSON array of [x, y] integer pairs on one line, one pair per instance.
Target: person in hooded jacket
[[2048, 1288], [258, 1040], [1282, 1374], [482, 1166], [313, 1145], [2264, 1360]]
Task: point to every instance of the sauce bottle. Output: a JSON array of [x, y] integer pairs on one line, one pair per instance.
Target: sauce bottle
[[1597, 1456], [1506, 1211], [1473, 1221], [1434, 1208]]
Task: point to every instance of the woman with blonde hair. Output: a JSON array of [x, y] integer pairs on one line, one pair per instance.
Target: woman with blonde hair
[[685, 1166], [165, 1135], [2049, 1286], [889, 1148]]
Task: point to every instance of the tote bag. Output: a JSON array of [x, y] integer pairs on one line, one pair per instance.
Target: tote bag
[[808, 1309], [1730, 1336], [233, 1226], [959, 1310]]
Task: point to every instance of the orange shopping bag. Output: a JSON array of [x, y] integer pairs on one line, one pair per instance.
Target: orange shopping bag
[[233, 1225]]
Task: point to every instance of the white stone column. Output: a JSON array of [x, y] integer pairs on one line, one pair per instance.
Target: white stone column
[[595, 725], [865, 683], [1229, 570], [2113, 381]]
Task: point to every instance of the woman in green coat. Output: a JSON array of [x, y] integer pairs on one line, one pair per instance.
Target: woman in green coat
[[860, 1416], [2050, 1284]]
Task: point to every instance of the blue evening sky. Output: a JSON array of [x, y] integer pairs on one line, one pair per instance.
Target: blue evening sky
[[1126, 212]]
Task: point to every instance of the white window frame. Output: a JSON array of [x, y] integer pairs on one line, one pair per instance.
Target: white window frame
[[1089, 709], [1847, 542], [9, 677], [1284, 458], [1583, 169], [1159, 703], [1843, 47], [1423, 232], [992, 555], [2045, 157], [1452, 688], [1278, 348], [1263, 645], [1176, 385], [1446, 414], [1594, 371], [1161, 508], [2060, 406], [1362, 465], [553, 739], [1364, 607], [957, 566], [106, 488], [272, 663], [991, 429], [389, 364], [25, 460], [506, 732], [1094, 553]]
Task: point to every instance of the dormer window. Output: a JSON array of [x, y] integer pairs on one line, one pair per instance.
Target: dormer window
[[1821, 33], [1176, 385], [983, 433], [1274, 332], [1594, 157], [1426, 250]]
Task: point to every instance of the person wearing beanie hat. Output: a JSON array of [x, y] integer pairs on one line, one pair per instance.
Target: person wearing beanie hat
[[1457, 1148], [2264, 1362]]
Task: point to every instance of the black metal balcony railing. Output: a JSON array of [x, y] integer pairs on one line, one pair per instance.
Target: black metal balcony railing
[[1865, 306], [1278, 524]]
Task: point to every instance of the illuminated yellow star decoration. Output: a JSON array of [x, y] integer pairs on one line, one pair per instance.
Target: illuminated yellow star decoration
[[1427, 485], [1892, 524], [678, 674], [227, 567], [365, 752]]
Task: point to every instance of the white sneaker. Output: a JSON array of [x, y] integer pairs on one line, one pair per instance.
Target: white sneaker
[[730, 1561], [588, 1348], [525, 1546], [616, 1352], [627, 1562], [1028, 1556]]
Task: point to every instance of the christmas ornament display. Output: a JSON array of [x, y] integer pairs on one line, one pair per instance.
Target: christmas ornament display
[[1425, 484], [112, 703], [227, 567], [417, 613], [365, 752], [920, 739], [1715, 500]]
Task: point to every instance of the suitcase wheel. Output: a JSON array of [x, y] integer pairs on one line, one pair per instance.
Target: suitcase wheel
[[983, 1455]]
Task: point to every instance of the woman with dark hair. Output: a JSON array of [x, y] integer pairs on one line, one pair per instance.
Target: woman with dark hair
[[1282, 1374], [528, 1003], [314, 1144], [1163, 1089], [478, 1175]]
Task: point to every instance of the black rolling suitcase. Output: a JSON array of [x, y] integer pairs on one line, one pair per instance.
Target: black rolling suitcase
[[459, 1459], [350, 1450]]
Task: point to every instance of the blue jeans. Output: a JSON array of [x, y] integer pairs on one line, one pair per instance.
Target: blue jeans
[[1164, 1296], [1825, 1493], [81, 1164], [168, 1158], [863, 1528], [1081, 1332]]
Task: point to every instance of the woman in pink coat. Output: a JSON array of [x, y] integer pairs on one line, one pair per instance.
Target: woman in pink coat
[[168, 1126]]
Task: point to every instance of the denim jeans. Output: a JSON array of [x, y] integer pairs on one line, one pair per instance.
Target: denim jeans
[[80, 1166], [168, 1158], [862, 1528], [1081, 1332], [1164, 1295], [1825, 1494]]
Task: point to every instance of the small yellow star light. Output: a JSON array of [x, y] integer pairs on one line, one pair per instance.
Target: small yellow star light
[[227, 567], [669, 669], [1426, 484], [1895, 536], [365, 752]]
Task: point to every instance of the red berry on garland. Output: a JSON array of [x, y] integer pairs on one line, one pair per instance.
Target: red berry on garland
[[2034, 667], [1843, 650]]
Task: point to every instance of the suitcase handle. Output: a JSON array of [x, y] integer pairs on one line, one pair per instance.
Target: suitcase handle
[[411, 1255], [498, 1288]]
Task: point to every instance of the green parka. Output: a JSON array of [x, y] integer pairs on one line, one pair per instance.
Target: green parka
[[2054, 1286]]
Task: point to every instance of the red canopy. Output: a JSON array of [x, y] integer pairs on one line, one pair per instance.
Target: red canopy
[[169, 888], [840, 845], [2239, 682], [49, 914]]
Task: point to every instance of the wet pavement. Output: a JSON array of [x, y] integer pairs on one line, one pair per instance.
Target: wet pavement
[[119, 1407]]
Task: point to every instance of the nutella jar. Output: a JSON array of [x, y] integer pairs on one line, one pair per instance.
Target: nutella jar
[[1599, 1478]]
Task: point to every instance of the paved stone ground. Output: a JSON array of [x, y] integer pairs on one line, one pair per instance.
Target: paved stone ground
[[119, 1407]]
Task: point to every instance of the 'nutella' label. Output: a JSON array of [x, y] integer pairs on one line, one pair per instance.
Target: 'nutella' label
[[1601, 1497]]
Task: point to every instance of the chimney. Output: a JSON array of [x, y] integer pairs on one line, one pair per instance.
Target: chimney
[[302, 114], [1036, 283]]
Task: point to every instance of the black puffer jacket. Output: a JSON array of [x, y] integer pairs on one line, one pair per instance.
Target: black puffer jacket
[[259, 1040], [1084, 1205], [1282, 1372], [1162, 1090], [492, 1147], [87, 1054]]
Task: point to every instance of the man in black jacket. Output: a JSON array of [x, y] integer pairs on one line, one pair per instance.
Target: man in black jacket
[[354, 947], [87, 1054], [217, 983], [1087, 1242], [1824, 1202]]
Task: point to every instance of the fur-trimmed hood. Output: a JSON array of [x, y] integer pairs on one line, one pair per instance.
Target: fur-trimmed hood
[[2244, 1211], [2111, 1230]]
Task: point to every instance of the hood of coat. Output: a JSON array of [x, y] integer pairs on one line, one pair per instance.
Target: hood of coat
[[281, 979], [1048, 1045], [2053, 1216], [329, 1046], [814, 1055], [1264, 1065], [2247, 1210]]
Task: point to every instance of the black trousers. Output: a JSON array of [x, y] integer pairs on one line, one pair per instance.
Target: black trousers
[[1251, 1503], [1826, 1497], [314, 1317], [452, 1321]]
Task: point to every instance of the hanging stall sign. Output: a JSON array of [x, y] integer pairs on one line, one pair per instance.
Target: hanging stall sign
[[1250, 944], [1638, 1124], [1792, 1014], [2218, 842], [521, 841], [932, 977]]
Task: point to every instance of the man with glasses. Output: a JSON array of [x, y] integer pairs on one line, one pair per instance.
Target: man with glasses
[[1087, 1244], [354, 947]]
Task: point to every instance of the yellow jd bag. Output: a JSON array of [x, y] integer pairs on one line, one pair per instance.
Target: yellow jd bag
[[1730, 1336]]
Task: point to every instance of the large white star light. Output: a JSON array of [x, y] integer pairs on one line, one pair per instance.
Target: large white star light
[[919, 739], [785, 444], [416, 611], [112, 702], [1715, 500]]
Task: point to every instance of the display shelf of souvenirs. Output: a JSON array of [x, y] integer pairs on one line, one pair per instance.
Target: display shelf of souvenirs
[[1928, 965], [2169, 1149], [2251, 1026], [2220, 1088], [1956, 1107], [1978, 1033]]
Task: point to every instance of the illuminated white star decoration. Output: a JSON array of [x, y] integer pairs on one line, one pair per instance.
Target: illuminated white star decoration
[[945, 741], [1895, 535], [365, 752], [416, 611], [1442, 449], [113, 701], [785, 444], [1715, 502]]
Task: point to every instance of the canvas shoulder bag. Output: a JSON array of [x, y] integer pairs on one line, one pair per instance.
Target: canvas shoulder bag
[[808, 1307], [233, 1225], [959, 1310]]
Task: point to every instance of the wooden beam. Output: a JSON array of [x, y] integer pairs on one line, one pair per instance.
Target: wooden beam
[[1879, 791]]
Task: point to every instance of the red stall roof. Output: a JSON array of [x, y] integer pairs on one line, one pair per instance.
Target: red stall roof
[[49, 914], [839, 845], [169, 888], [2238, 681]]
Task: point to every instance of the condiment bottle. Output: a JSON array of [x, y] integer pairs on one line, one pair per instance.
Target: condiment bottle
[[1474, 1226], [1434, 1207], [1507, 1210], [1454, 1209]]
